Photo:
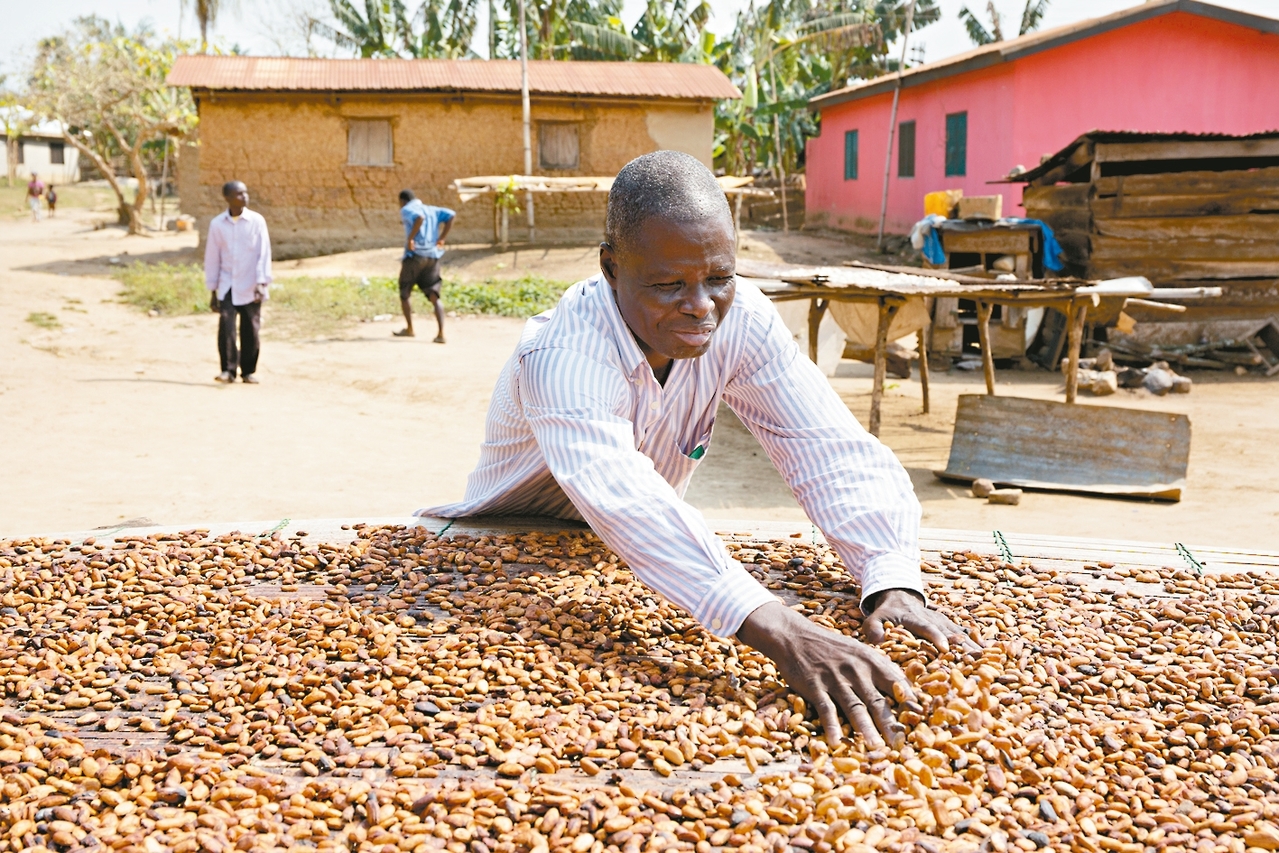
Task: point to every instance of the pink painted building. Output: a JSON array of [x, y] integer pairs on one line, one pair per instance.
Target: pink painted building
[[1166, 65]]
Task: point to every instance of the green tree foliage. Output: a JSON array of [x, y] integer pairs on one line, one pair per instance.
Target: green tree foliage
[[1031, 17], [785, 52], [106, 86], [780, 54]]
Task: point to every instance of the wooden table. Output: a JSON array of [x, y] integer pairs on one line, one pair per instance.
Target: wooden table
[[890, 287]]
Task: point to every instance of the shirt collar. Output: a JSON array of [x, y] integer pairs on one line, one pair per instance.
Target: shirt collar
[[627, 347]]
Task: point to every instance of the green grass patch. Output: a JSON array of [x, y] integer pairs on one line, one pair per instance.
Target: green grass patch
[[319, 304], [43, 319], [165, 288], [523, 297]]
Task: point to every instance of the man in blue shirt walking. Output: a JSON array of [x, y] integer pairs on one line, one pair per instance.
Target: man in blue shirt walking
[[425, 228]]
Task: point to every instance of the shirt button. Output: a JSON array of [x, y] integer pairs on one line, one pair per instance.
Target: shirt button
[[716, 623], [653, 405]]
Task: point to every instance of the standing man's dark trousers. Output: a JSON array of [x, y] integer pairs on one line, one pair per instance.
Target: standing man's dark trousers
[[245, 357]]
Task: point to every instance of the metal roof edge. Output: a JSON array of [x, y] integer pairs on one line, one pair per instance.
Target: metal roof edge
[[888, 82], [1105, 24], [1230, 16], [533, 93]]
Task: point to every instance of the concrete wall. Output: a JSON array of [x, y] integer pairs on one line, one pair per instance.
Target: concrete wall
[[35, 157], [291, 151], [1178, 72]]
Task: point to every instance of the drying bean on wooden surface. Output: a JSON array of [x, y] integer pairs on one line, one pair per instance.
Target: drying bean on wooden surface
[[523, 692]]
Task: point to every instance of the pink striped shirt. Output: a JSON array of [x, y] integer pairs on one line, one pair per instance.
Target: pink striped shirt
[[579, 428]]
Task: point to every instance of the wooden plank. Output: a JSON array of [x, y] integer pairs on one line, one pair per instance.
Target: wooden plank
[[1188, 204], [994, 240], [1061, 219], [1231, 228], [1191, 183], [1078, 159], [1118, 248], [1160, 270], [1042, 444], [1188, 149], [1059, 197]]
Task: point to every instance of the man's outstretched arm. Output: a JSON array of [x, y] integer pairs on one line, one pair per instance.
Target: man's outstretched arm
[[571, 401], [849, 484]]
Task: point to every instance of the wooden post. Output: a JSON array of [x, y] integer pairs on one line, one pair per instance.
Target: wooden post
[[1078, 312], [505, 235], [816, 310], [886, 311], [987, 356], [922, 339], [737, 220]]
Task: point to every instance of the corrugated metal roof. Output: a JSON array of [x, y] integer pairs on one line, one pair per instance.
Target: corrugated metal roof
[[600, 79], [1031, 43]]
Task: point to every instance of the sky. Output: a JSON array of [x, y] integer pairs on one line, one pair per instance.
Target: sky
[[268, 27]]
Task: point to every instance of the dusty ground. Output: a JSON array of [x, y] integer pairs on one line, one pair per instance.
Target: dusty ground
[[113, 416]]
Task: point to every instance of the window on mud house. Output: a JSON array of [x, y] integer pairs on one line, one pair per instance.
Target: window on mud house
[[22, 154], [558, 145], [957, 144], [850, 155], [368, 143], [906, 150], [57, 153]]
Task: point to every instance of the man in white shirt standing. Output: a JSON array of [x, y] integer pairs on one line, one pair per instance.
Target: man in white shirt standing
[[237, 272], [607, 407]]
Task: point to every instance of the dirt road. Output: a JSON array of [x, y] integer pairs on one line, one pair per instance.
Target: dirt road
[[113, 416]]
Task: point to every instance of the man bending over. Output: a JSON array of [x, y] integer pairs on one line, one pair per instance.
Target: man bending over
[[607, 407], [425, 228]]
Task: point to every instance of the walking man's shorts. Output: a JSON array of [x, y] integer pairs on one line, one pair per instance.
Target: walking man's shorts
[[420, 272]]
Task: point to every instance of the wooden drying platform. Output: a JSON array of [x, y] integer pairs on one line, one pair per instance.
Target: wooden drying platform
[[889, 288], [734, 187], [1092, 565]]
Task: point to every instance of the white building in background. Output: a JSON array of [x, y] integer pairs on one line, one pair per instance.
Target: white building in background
[[42, 150]]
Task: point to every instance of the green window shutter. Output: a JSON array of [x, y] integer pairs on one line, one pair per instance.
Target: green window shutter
[[957, 144], [850, 155], [906, 150]]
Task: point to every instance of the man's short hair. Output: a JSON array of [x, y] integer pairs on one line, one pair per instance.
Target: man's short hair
[[406, 196], [230, 187], [669, 185]]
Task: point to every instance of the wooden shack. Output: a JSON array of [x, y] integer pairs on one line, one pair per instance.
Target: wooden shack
[[1181, 209]]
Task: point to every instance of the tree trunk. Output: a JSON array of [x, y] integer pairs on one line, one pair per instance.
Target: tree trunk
[[12, 159], [144, 188], [104, 166]]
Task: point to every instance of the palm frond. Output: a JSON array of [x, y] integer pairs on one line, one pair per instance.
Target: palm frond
[[602, 41], [1033, 15], [976, 32]]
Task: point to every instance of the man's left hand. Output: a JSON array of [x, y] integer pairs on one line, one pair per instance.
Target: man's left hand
[[907, 609]]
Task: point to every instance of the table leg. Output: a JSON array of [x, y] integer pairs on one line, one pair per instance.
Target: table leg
[[1078, 313], [816, 310], [987, 355], [886, 311], [922, 339]]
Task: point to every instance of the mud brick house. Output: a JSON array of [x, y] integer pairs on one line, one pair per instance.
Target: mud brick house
[[325, 145], [1164, 66]]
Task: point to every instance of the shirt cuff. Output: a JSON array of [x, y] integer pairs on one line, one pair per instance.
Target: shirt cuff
[[891, 571], [734, 596]]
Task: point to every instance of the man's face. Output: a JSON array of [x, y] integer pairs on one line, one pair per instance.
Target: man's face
[[237, 198], [674, 284]]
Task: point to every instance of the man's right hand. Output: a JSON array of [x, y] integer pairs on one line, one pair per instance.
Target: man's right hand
[[213, 301], [832, 672]]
